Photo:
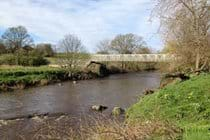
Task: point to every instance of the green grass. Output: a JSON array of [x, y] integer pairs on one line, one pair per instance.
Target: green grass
[[18, 71], [186, 104], [11, 76], [196, 133]]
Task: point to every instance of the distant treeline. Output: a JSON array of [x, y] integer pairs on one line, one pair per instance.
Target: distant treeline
[[18, 48]]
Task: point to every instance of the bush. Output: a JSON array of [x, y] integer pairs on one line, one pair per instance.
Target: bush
[[31, 61], [8, 60], [23, 58], [37, 61]]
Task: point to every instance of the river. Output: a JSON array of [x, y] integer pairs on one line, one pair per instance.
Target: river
[[76, 99]]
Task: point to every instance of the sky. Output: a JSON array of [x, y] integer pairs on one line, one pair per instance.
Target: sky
[[91, 20]]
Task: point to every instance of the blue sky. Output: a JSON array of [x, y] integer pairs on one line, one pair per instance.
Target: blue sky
[[90, 20]]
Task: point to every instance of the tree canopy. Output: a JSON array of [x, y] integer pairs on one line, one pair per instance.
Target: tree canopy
[[123, 44], [127, 44], [16, 37]]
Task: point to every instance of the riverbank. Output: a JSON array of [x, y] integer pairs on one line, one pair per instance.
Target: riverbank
[[18, 77], [185, 104]]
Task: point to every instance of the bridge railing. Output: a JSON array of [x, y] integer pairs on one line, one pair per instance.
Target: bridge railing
[[133, 57]]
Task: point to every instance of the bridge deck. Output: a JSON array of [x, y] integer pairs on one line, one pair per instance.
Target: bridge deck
[[133, 57]]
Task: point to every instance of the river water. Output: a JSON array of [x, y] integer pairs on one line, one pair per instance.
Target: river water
[[76, 99]]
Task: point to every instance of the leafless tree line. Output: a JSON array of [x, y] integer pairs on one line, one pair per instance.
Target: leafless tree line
[[185, 29], [123, 44]]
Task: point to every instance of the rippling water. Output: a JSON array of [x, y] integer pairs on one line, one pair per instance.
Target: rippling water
[[116, 90]]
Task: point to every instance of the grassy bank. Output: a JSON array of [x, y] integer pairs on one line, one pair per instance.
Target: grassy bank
[[17, 77], [186, 104]]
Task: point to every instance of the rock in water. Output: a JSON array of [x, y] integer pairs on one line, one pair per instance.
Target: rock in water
[[59, 84], [99, 108], [117, 111], [74, 82]]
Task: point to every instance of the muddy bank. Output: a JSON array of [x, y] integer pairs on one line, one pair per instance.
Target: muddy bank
[[172, 78]]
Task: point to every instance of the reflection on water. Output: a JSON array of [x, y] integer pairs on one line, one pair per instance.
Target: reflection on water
[[116, 90]]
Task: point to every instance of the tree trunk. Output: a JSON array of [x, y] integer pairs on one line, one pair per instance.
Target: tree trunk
[[197, 62]]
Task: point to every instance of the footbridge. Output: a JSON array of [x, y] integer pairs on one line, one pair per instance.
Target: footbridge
[[132, 58], [97, 58]]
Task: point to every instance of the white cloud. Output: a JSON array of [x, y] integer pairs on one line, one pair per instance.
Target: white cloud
[[91, 20]]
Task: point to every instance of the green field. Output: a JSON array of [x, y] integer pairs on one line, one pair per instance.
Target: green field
[[186, 104]]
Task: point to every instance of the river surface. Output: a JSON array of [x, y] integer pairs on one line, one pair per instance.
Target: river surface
[[76, 99]]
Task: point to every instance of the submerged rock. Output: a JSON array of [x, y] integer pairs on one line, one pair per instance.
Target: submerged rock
[[99, 108], [118, 111], [60, 84], [74, 82]]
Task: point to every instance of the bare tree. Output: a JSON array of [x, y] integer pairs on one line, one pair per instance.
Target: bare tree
[[16, 37], [186, 23], [104, 47], [127, 44], [73, 48]]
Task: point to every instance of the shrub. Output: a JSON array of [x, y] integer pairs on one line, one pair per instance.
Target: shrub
[[37, 61], [23, 58], [7, 59]]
